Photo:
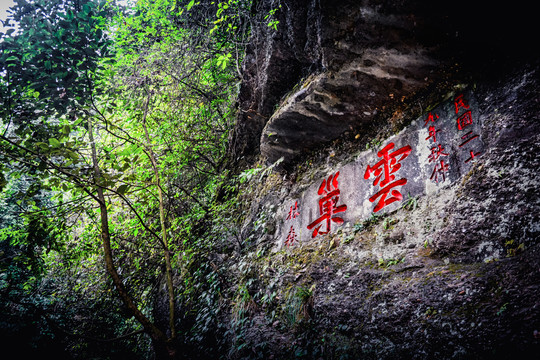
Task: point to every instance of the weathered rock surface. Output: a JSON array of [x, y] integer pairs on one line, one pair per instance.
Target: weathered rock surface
[[332, 103], [451, 270], [338, 66], [452, 273], [430, 155]]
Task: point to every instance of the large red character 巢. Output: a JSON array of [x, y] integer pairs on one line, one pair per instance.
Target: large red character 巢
[[329, 193]]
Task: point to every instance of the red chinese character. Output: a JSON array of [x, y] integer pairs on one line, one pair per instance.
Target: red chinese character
[[439, 169], [291, 237], [432, 133], [468, 137], [460, 103], [387, 166], [473, 155], [464, 120], [293, 212], [436, 152], [431, 118], [328, 205]]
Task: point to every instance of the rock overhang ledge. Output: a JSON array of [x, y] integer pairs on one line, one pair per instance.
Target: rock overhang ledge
[[333, 102]]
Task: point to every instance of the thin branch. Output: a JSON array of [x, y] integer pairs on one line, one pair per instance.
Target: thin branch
[[79, 181], [58, 205], [205, 208]]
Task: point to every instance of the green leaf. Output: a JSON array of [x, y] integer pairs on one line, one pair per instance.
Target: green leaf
[[122, 189], [190, 5], [43, 145], [54, 143], [72, 155]]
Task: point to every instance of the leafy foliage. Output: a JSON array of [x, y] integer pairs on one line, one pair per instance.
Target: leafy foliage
[[113, 132]]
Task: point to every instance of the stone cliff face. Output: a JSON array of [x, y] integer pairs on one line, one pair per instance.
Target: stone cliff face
[[404, 219], [334, 67]]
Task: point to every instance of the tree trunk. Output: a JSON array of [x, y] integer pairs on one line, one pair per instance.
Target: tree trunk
[[164, 240], [164, 350], [159, 339]]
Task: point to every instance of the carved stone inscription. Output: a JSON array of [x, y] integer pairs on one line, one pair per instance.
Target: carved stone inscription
[[429, 155]]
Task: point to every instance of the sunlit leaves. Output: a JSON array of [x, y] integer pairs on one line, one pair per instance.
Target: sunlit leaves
[[158, 90], [54, 143], [47, 64], [223, 60]]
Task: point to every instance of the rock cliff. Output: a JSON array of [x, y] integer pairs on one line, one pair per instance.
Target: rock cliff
[[403, 218], [338, 66]]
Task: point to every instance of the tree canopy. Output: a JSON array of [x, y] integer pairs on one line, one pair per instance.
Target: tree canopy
[[114, 123]]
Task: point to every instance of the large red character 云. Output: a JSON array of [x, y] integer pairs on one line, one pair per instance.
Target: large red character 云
[[384, 175]]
